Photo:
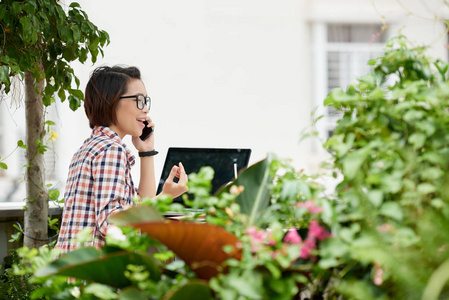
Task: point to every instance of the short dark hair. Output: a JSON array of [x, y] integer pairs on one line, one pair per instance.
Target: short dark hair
[[103, 91]]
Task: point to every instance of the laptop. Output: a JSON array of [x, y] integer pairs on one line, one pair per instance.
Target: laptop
[[226, 162]]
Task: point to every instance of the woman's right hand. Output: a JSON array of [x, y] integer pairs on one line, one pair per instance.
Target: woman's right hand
[[172, 188]]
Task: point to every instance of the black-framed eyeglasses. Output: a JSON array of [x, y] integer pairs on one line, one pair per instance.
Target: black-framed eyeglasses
[[141, 101]]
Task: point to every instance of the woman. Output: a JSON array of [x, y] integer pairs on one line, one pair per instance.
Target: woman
[[99, 181]]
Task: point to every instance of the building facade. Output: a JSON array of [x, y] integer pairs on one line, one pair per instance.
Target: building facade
[[240, 74]]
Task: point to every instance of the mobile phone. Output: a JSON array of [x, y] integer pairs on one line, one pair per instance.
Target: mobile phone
[[146, 131]]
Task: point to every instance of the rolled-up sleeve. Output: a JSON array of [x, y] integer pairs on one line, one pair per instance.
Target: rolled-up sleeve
[[110, 185]]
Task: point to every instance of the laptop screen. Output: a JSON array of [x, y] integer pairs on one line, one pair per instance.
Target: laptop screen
[[226, 162]]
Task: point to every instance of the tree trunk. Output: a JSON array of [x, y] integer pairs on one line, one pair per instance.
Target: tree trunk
[[36, 213]]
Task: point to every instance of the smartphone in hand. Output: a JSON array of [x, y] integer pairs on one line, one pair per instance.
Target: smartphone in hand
[[146, 131]]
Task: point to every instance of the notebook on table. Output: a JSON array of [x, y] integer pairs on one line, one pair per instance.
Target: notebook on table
[[226, 162]]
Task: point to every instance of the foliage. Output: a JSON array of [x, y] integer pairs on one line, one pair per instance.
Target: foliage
[[39, 39], [13, 286], [234, 254], [391, 146], [382, 235], [42, 31]]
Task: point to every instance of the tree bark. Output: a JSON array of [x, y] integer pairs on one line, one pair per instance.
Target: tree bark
[[36, 213]]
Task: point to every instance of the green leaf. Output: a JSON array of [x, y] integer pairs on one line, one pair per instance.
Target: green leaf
[[30, 8], [20, 144], [50, 123], [425, 188], [432, 173], [17, 7], [76, 34], [392, 210], [3, 166], [74, 4], [74, 103], [132, 293], [61, 94], [376, 197], [101, 267], [100, 291], [353, 161], [76, 93], [256, 194], [192, 290], [413, 115], [26, 24], [54, 194], [437, 282], [417, 140], [4, 74], [66, 35], [135, 214]]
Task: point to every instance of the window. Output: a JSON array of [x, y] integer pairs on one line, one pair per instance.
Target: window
[[341, 53]]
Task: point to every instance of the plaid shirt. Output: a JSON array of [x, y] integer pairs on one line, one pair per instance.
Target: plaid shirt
[[99, 183]]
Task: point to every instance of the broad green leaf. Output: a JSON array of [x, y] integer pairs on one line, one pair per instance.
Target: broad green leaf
[[413, 115], [437, 281], [101, 267], [132, 293], [26, 24], [3, 166], [138, 213], [376, 197], [431, 173], [249, 284], [417, 140], [392, 183], [61, 95], [74, 103], [17, 7], [392, 210], [74, 4], [77, 93], [4, 74], [30, 8], [353, 161], [406, 237], [338, 96], [66, 35], [199, 245], [192, 290], [76, 34], [53, 194], [378, 93], [100, 291], [256, 196], [425, 188], [290, 189]]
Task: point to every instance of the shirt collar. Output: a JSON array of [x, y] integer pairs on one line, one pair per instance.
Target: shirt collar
[[106, 131]]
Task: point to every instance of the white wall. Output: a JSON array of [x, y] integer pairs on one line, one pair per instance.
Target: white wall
[[235, 73], [220, 73]]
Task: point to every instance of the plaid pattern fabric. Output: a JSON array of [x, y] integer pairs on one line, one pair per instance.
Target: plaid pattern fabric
[[99, 183]]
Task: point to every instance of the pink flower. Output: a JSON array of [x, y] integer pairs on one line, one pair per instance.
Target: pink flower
[[260, 237], [292, 237], [254, 233], [317, 231], [275, 254], [307, 248], [311, 207], [378, 274]]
